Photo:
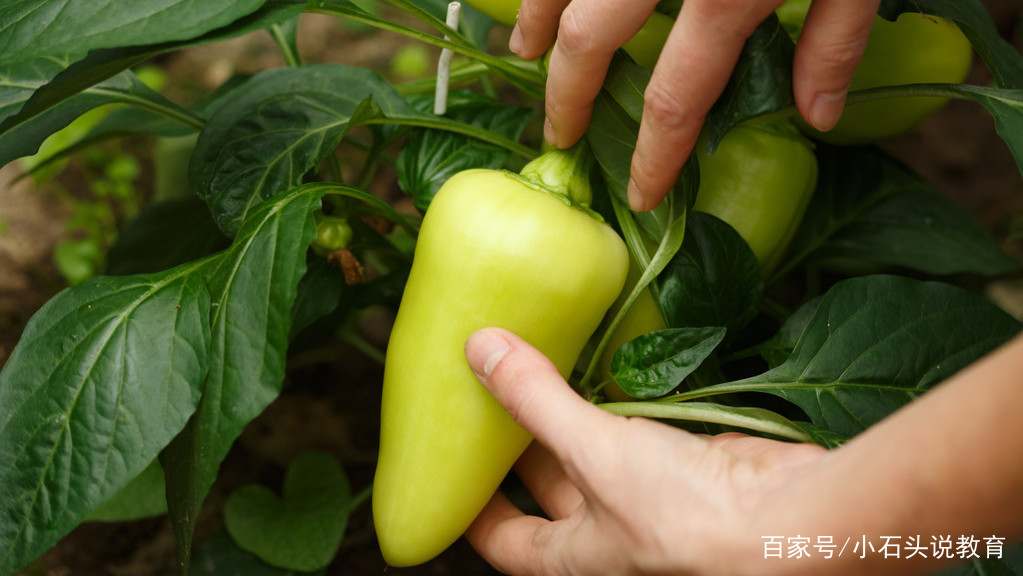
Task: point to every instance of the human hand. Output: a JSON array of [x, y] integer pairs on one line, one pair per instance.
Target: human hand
[[694, 67], [624, 495]]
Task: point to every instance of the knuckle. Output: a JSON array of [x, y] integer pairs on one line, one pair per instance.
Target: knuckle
[[663, 107], [575, 33], [841, 55]]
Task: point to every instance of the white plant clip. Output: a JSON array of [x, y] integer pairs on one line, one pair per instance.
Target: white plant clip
[[440, 97]]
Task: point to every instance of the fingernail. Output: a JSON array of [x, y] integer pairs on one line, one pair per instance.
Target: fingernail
[[484, 351], [515, 43], [636, 201], [548, 132], [827, 110]]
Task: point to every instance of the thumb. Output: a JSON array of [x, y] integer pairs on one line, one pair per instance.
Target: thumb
[[530, 388]]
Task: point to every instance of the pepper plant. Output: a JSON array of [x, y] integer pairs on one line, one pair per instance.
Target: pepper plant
[[126, 392]]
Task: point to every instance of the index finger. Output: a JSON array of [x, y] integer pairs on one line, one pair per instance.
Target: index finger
[[694, 68]]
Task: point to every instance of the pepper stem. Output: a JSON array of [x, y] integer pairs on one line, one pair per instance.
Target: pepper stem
[[564, 172]]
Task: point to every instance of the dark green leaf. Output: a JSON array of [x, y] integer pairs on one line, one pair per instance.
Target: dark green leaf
[[318, 293], [23, 139], [869, 208], [220, 556], [974, 20], [105, 375], [253, 286], [777, 350], [429, 156], [612, 137], [163, 235], [654, 364], [760, 83], [303, 528], [626, 83], [143, 497], [874, 344], [714, 280], [277, 126], [29, 88], [53, 27]]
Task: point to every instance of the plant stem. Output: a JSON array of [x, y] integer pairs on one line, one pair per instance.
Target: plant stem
[[177, 114], [441, 123], [750, 418], [531, 82], [955, 91], [360, 498], [362, 345], [291, 57]]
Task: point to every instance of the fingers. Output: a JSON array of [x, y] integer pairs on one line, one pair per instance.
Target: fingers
[[530, 388], [829, 49], [510, 541], [693, 70], [589, 32], [536, 27], [546, 481]]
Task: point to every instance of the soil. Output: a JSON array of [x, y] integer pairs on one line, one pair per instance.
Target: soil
[[323, 404]]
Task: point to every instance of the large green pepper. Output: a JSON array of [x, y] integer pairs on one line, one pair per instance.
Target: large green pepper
[[495, 249], [759, 181], [916, 48]]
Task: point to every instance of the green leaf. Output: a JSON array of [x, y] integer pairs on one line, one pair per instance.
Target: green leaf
[[777, 350], [165, 234], [301, 530], [29, 88], [974, 20], [277, 126], [874, 344], [318, 294], [626, 83], [220, 556], [143, 497], [53, 27], [654, 364], [612, 137], [760, 83], [24, 138], [714, 280], [430, 156], [253, 286], [105, 375], [869, 208]]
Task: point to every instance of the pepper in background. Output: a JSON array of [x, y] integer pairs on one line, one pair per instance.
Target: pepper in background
[[521, 252], [915, 49]]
